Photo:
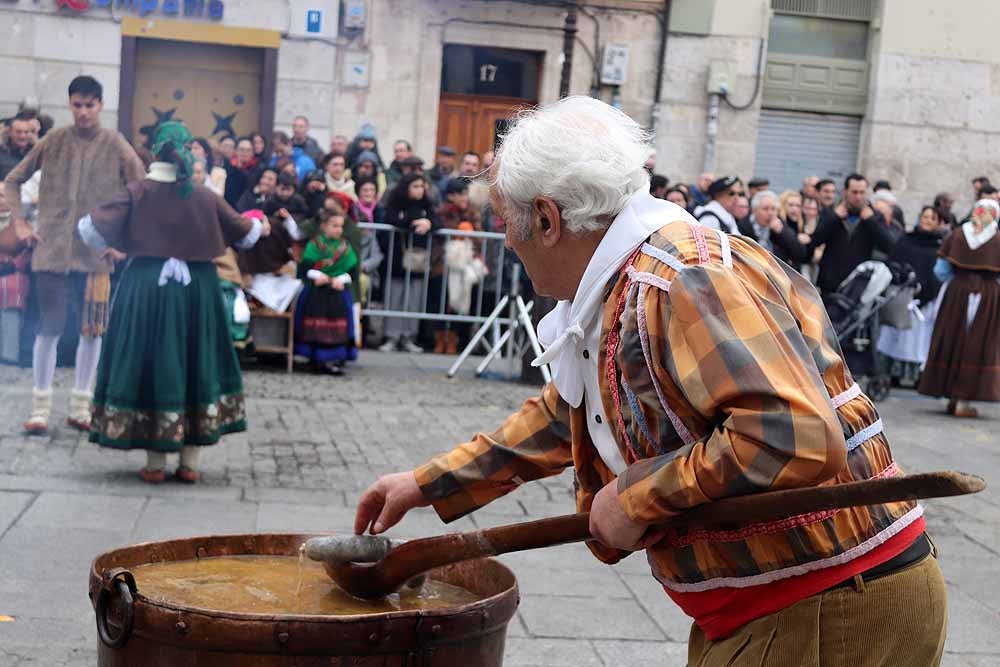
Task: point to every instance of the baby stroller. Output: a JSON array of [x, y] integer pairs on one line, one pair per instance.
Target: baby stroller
[[872, 293]]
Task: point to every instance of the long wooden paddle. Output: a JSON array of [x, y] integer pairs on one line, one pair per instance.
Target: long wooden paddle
[[372, 580]]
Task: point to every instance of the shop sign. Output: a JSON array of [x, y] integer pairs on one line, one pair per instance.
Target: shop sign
[[210, 9]]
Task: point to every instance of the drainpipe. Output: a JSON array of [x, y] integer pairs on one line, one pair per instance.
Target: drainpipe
[[713, 130], [660, 67], [569, 38]]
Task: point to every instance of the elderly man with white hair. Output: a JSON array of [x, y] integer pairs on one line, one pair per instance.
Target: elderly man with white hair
[[766, 228], [688, 366]]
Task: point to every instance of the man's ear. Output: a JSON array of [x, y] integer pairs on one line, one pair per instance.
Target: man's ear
[[549, 220]]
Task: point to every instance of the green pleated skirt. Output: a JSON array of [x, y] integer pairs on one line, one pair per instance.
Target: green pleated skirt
[[168, 374]]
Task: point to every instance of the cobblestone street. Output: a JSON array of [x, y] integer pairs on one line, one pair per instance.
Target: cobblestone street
[[315, 442]]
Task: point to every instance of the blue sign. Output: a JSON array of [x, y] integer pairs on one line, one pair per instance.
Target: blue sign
[[314, 20], [210, 9]]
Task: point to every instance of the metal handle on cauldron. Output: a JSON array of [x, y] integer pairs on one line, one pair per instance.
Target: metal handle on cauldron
[[123, 581]]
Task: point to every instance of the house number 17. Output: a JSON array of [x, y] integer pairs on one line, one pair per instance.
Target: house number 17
[[488, 73]]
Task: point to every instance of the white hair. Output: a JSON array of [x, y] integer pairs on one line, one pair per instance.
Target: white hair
[[587, 156], [884, 195], [759, 198]]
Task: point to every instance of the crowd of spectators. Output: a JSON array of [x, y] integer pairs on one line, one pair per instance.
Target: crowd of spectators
[[825, 229], [296, 183]]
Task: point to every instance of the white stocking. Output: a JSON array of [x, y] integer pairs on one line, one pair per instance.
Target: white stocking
[[190, 455], [156, 461], [88, 353], [43, 362]]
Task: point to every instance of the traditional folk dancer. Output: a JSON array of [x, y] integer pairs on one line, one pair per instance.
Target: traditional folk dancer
[[83, 165], [908, 348], [964, 360], [325, 314], [169, 380], [688, 366]]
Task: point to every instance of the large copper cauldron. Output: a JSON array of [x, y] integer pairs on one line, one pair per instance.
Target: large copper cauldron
[[134, 630]]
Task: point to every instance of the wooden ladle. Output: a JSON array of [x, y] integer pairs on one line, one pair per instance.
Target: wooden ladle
[[404, 562]]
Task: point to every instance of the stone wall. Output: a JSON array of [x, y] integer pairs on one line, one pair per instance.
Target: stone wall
[[42, 52], [682, 130], [932, 124], [46, 48], [405, 40], [737, 28]]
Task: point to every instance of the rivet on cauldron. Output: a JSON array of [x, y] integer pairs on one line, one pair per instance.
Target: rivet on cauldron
[[373, 637], [181, 627], [202, 552], [435, 630], [282, 637]]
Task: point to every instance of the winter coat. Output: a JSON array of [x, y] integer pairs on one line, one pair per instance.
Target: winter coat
[[403, 218], [919, 249], [846, 249]]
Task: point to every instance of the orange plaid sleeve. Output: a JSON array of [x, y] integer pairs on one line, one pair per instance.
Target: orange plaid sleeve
[[725, 342], [531, 444]]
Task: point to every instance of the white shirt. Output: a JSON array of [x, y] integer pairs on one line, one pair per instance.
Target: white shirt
[[723, 219], [571, 333]]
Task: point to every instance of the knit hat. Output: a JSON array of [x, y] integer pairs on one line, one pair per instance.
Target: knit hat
[[367, 131], [365, 156]]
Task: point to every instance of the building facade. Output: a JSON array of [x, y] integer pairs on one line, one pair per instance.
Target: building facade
[[898, 89]]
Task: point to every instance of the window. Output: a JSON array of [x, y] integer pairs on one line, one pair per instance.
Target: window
[[818, 37], [473, 70]]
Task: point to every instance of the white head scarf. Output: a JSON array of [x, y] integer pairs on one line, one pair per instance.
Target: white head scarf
[[977, 238]]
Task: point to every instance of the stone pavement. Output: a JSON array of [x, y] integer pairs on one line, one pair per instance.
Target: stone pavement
[[315, 442]]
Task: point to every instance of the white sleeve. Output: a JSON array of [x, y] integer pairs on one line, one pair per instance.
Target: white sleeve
[[90, 235], [293, 230], [313, 274], [250, 240]]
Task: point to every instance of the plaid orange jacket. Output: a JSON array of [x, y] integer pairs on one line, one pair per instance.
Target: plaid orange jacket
[[721, 376]]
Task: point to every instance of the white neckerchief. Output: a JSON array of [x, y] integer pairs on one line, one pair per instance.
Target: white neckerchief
[[162, 172], [563, 330], [977, 239]]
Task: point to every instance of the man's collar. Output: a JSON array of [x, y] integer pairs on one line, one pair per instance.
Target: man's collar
[[562, 331]]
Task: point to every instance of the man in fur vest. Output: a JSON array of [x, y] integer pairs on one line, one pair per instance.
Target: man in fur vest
[[82, 164]]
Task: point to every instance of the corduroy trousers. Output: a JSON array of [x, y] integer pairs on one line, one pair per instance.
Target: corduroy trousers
[[898, 620]]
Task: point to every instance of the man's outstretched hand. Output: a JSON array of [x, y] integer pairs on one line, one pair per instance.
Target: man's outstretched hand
[[386, 501]]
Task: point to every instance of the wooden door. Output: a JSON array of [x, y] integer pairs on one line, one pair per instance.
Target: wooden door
[[214, 89], [469, 122]]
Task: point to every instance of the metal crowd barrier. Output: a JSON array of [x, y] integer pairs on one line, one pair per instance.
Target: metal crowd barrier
[[503, 318], [417, 298]]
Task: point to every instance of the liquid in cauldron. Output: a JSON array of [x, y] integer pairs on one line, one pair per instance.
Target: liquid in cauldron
[[271, 585]]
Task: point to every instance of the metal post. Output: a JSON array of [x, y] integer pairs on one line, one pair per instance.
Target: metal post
[[515, 288], [486, 326]]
